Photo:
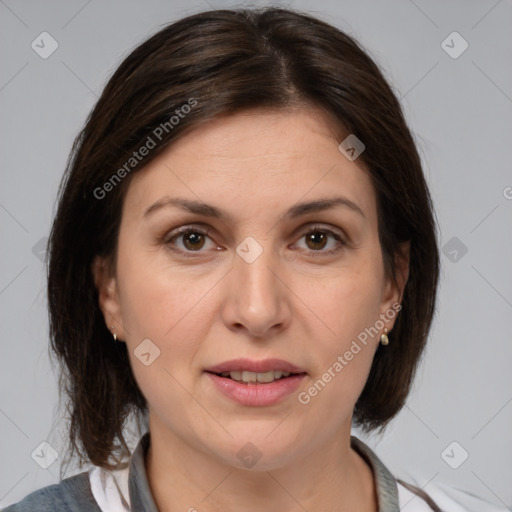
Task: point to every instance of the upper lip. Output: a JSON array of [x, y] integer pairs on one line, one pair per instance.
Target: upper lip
[[248, 365]]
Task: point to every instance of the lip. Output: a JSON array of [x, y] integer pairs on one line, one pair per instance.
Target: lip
[[248, 365], [256, 395]]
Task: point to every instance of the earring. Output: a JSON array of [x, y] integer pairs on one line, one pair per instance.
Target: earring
[[384, 340], [114, 334]]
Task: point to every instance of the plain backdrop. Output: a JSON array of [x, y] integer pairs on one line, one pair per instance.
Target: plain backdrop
[[457, 424]]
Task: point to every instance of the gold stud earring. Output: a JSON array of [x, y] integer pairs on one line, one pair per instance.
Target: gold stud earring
[[384, 340]]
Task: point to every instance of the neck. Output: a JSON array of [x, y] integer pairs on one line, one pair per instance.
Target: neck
[[331, 477]]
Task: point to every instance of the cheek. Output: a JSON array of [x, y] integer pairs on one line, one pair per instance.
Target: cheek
[[347, 302], [348, 307], [171, 306], [157, 299], [162, 305]]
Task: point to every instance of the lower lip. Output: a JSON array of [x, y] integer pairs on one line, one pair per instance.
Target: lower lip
[[257, 394]]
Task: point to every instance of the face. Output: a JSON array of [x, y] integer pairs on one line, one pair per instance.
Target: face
[[253, 275]]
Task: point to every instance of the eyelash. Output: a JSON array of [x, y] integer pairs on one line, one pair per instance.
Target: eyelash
[[314, 229]]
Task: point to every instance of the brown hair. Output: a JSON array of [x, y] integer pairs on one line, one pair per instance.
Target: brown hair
[[220, 62]]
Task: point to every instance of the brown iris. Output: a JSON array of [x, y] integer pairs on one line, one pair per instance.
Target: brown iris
[[193, 240], [317, 238]]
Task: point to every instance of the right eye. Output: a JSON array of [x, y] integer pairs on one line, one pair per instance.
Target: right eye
[[192, 239]]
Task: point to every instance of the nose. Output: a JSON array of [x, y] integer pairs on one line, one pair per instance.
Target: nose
[[257, 298]]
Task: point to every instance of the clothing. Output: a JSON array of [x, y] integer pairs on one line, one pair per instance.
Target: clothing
[[127, 490]]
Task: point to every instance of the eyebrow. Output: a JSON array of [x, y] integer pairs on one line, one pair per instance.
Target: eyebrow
[[295, 211]]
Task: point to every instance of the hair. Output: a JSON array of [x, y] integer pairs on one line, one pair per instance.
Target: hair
[[218, 63]]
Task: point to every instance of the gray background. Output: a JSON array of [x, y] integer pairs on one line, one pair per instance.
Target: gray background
[[460, 110]]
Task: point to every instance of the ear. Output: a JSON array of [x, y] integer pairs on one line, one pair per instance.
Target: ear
[[393, 290], [108, 298]]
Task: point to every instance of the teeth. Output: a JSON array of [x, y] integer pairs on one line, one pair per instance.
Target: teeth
[[250, 377]]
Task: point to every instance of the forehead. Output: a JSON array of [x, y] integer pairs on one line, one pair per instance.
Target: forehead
[[252, 159]]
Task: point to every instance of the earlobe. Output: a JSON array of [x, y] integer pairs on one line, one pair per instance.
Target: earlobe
[[108, 300], [395, 287], [402, 258]]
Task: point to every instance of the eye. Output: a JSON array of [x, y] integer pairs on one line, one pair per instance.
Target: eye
[[317, 239], [192, 239]]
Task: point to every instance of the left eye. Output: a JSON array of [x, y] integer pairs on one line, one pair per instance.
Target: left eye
[[317, 239]]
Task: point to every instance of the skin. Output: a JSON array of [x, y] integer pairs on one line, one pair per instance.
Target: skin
[[294, 302]]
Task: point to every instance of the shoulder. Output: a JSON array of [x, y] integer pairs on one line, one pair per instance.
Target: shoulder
[[410, 497], [443, 498], [72, 494], [414, 499]]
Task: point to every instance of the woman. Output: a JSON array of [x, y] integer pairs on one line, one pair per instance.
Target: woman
[[245, 256]]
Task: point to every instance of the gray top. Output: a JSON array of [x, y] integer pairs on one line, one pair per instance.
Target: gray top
[[73, 494]]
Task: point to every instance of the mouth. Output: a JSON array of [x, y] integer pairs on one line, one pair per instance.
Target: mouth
[[247, 377], [256, 388], [250, 372]]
